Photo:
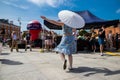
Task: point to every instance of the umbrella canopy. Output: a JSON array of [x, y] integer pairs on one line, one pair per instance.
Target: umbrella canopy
[[71, 19], [34, 25]]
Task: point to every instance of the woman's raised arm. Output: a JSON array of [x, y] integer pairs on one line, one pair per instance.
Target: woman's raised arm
[[52, 21]]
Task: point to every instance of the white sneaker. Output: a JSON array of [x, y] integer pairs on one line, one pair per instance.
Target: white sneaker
[[101, 54]]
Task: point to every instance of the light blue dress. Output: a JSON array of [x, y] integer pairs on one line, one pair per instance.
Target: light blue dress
[[67, 45]]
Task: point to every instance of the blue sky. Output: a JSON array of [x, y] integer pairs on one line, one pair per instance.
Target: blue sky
[[28, 10]]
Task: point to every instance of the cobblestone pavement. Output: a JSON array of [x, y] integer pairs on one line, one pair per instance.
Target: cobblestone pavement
[[34, 65]]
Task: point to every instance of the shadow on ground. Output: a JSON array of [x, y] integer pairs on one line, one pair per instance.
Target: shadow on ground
[[4, 53], [10, 62], [95, 70]]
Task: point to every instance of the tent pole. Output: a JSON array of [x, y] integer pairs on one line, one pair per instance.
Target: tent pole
[[42, 38]]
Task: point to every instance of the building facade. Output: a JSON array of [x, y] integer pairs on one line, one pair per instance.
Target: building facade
[[9, 27]]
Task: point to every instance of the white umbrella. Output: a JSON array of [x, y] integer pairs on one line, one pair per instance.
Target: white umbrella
[[71, 19]]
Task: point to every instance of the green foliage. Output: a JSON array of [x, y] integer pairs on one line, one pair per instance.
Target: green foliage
[[82, 32]]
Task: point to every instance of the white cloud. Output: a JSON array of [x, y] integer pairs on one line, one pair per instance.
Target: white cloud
[[38, 2], [52, 3], [118, 11], [15, 5], [12, 0], [23, 7]]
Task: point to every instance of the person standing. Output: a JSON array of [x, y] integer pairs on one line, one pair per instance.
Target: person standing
[[110, 40], [54, 39], [2, 33], [93, 40], [74, 32], [117, 41], [28, 41], [14, 41], [48, 41], [101, 37]]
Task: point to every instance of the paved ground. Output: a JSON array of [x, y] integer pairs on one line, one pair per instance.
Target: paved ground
[[48, 66]]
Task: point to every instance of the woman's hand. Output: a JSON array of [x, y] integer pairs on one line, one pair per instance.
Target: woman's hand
[[43, 17]]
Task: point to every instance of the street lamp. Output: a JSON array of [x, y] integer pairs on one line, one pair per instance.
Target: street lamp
[[19, 21]]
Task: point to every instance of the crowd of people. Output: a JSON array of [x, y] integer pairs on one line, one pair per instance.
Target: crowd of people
[[108, 41], [99, 37], [48, 39]]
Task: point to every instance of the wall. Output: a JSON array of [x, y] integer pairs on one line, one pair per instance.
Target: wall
[[9, 28]]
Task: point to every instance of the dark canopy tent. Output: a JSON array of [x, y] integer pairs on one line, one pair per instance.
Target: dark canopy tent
[[90, 21]]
